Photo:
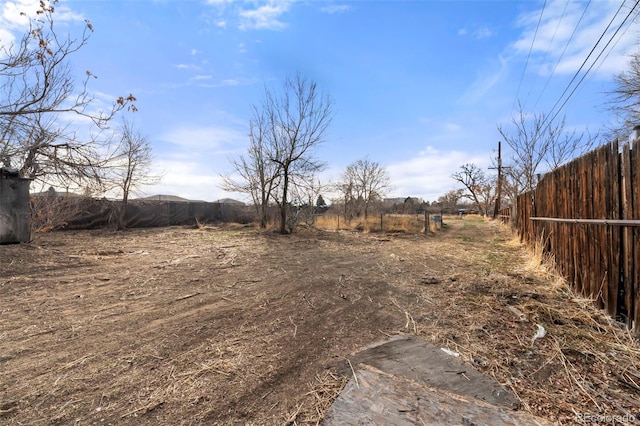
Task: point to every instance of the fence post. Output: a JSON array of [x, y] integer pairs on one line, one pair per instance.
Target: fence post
[[338, 222], [381, 224], [426, 222]]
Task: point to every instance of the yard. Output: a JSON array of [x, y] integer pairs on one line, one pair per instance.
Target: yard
[[228, 325]]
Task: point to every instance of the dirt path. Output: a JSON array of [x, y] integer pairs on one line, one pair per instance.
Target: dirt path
[[228, 325]]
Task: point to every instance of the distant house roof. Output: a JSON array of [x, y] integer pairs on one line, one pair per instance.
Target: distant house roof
[[402, 200], [230, 201], [392, 201]]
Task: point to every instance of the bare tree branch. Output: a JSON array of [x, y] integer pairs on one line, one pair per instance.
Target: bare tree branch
[[480, 187], [285, 131], [449, 201], [363, 183], [536, 146], [256, 175], [625, 98], [37, 97], [129, 166]]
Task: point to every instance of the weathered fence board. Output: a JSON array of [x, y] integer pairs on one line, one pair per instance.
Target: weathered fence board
[[634, 206], [586, 214]]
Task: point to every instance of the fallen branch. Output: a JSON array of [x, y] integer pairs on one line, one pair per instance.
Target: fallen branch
[[295, 330], [188, 296], [292, 418]]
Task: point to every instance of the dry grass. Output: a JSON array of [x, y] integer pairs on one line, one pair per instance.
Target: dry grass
[[323, 391], [229, 325], [393, 223], [585, 364]]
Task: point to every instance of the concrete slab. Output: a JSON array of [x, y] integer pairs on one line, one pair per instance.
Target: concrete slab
[[379, 398], [406, 380]]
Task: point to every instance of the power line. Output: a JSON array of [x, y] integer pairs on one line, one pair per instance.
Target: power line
[[616, 42], [535, 34], [575, 29], [594, 62]]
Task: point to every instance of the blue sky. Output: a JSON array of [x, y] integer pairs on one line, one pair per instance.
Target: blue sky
[[418, 86]]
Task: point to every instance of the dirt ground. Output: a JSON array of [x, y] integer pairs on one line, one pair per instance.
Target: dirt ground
[[229, 325]]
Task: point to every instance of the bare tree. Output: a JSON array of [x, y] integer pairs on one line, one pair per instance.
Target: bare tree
[[487, 195], [304, 195], [346, 190], [479, 186], [625, 98], [255, 174], [130, 167], [297, 122], [285, 131], [537, 146], [449, 201], [38, 98], [363, 183]]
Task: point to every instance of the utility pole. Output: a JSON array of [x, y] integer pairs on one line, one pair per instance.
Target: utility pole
[[499, 189]]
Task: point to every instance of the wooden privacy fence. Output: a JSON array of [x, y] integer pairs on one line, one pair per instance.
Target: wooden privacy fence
[[586, 214]]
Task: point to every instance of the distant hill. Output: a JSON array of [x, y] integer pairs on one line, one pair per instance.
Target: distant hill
[[162, 197], [229, 201]]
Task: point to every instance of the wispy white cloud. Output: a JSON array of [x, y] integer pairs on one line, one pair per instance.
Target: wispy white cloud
[[336, 8], [207, 81], [15, 16], [264, 17], [478, 33], [193, 169], [218, 2], [186, 178], [196, 140], [487, 78], [482, 32], [556, 46], [230, 82], [428, 175], [250, 15]]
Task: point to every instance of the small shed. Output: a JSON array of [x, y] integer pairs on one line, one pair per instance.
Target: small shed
[[15, 212]]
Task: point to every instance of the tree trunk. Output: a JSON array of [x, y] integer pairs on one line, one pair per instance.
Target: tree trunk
[[284, 206], [121, 225], [263, 213]]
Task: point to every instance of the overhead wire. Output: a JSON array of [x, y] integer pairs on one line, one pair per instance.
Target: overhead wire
[[555, 67], [592, 64], [577, 73], [616, 42], [535, 35]]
